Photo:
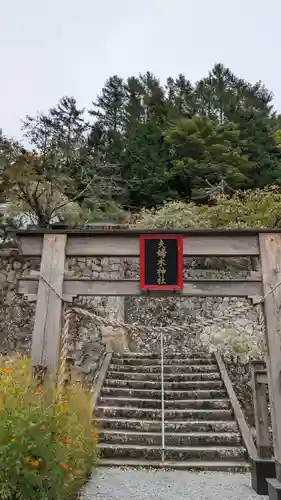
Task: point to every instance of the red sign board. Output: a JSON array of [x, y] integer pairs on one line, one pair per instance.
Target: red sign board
[[161, 262]]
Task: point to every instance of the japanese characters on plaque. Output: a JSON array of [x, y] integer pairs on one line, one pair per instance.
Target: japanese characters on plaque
[[161, 263]]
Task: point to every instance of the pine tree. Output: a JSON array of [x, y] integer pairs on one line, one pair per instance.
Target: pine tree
[[69, 128], [145, 166], [108, 112], [204, 151], [154, 99], [134, 112], [181, 97], [58, 137], [109, 107]]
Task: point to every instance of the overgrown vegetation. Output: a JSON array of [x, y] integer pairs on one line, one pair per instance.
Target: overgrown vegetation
[[252, 208], [145, 144], [48, 444]]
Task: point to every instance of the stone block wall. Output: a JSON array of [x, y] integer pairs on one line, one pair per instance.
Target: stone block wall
[[16, 313], [232, 325], [230, 322], [86, 338]]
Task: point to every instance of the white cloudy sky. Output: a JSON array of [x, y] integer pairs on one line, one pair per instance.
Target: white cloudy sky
[[50, 48]]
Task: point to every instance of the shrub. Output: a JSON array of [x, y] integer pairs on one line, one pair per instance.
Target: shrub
[[48, 444], [251, 208]]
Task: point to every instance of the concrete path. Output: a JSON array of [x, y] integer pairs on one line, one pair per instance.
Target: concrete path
[[130, 484]]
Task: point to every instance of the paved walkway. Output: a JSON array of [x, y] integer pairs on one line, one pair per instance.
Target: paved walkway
[[120, 484]]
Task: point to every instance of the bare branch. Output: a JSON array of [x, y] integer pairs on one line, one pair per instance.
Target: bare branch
[[59, 207]]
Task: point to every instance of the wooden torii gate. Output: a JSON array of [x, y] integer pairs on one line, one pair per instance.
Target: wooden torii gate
[[53, 286]]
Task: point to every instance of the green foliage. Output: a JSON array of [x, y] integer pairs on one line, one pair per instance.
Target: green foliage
[[174, 214], [204, 150], [253, 208], [257, 208], [258, 143], [146, 143], [48, 444], [277, 136], [145, 166]]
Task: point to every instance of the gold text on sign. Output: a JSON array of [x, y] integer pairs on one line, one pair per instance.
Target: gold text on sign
[[161, 263]]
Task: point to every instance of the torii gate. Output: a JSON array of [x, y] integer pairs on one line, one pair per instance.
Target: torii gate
[[53, 286]]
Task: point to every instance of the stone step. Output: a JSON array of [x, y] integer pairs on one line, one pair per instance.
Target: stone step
[[155, 414], [167, 361], [170, 355], [156, 403], [156, 393], [173, 377], [172, 369], [171, 386], [206, 403], [172, 452], [171, 439], [200, 465], [133, 424]]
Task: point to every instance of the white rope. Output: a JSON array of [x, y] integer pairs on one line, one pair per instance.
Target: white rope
[[129, 326]]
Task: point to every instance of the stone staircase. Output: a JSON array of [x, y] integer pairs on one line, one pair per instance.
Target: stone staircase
[[200, 430]]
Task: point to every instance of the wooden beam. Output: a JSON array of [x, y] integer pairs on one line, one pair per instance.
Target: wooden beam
[[31, 246], [128, 231], [262, 378], [192, 245], [261, 412], [100, 379], [110, 245], [238, 412], [47, 326], [191, 288], [270, 252]]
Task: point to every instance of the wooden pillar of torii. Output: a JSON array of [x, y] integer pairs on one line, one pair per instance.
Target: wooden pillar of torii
[[270, 256], [53, 286], [46, 337]]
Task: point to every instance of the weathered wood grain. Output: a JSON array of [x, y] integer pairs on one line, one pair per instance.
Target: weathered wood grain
[[262, 377], [270, 251], [47, 326], [128, 246], [100, 379], [239, 415], [261, 413], [192, 288], [31, 246]]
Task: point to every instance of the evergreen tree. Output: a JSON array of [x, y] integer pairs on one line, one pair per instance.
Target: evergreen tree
[[109, 107], [181, 97], [145, 166], [258, 143], [154, 99], [134, 106], [108, 112], [69, 128], [204, 151], [59, 137]]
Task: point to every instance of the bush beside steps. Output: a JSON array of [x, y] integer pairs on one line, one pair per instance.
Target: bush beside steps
[[48, 444]]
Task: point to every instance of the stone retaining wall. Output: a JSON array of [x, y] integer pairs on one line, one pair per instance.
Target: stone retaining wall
[[228, 321], [232, 325], [16, 313], [86, 338]]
